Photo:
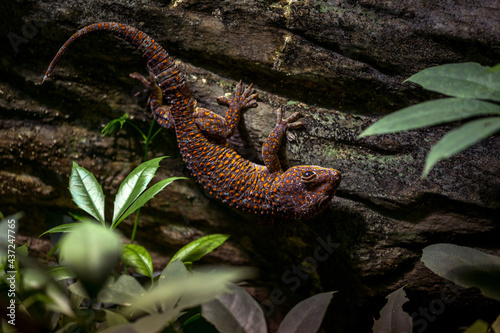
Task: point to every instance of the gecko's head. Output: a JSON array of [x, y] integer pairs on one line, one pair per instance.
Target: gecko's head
[[305, 191]]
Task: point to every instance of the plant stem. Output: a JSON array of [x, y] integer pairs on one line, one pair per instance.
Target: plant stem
[[147, 141]]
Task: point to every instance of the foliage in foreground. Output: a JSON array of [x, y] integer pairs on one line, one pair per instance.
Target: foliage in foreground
[[474, 92], [91, 288]]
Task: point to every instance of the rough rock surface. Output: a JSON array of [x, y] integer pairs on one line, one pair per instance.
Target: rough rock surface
[[341, 63]]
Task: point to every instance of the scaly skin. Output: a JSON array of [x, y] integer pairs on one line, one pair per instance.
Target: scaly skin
[[301, 192]]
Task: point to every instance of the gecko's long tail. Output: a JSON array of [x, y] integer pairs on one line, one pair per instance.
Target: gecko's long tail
[[167, 74]]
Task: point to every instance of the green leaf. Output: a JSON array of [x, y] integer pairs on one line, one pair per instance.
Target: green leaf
[[114, 318], [465, 266], [306, 317], [459, 139], [114, 125], [479, 326], [91, 251], [148, 324], [68, 227], [138, 258], [199, 248], [194, 289], [431, 113], [466, 80], [236, 312], [176, 270], [392, 317], [146, 196], [135, 183], [59, 273], [86, 192], [123, 291]]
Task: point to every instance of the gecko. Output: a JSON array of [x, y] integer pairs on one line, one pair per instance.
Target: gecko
[[300, 192]]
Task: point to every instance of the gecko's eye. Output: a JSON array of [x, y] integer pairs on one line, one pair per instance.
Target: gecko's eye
[[308, 176]]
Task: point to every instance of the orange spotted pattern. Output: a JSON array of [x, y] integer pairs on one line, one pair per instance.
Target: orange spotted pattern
[[300, 192]]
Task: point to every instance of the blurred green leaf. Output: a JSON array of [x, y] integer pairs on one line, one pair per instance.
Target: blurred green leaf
[[306, 317], [431, 113], [465, 266], [466, 80], [479, 326], [392, 317], [91, 251], [135, 183], [138, 258], [86, 192], [148, 324], [68, 227], [146, 196], [114, 125], [175, 271], [123, 291], [193, 290], [459, 139], [59, 273], [199, 248], [235, 312], [114, 318]]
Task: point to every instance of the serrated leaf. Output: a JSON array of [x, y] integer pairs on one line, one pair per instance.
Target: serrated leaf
[[459, 139], [86, 192], [132, 187], [466, 80], [68, 227], [199, 248], [392, 317], [146, 196], [235, 312], [148, 324], [138, 258], [306, 316], [465, 266], [431, 113]]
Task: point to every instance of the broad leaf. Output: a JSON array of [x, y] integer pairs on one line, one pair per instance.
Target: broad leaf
[[86, 192], [459, 139], [68, 227], [114, 318], [306, 317], [431, 113], [479, 326], [199, 248], [175, 271], [91, 251], [466, 80], [138, 258], [465, 266], [148, 324], [135, 183], [124, 291], [392, 317], [146, 196], [193, 290], [59, 273], [236, 312]]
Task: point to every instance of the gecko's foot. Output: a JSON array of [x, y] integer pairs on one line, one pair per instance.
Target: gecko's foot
[[289, 123], [243, 98]]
